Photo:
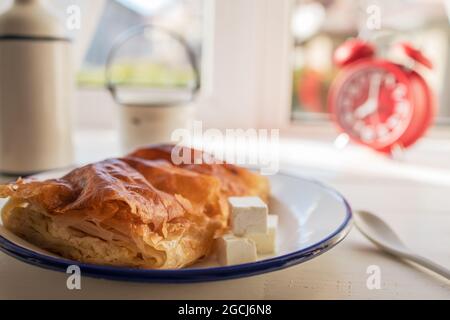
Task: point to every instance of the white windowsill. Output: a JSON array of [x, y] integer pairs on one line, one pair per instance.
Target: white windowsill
[[427, 162]]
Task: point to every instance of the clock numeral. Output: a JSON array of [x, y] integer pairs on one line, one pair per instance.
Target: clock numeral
[[393, 122], [390, 81], [359, 125], [348, 117], [368, 134], [399, 93], [347, 103], [402, 107], [382, 130]]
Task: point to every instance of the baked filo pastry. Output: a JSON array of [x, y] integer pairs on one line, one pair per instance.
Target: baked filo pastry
[[140, 211]]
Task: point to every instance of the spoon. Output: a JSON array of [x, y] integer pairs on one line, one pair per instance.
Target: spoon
[[379, 233]]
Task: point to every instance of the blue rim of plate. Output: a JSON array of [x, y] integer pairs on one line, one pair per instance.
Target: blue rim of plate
[[194, 274]]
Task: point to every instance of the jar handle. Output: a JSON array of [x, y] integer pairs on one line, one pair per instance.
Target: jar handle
[[137, 30]]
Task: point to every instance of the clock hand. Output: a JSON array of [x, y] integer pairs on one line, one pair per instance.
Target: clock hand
[[371, 104], [365, 109], [375, 86]]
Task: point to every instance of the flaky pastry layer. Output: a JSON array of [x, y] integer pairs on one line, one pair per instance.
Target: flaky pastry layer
[[141, 210]]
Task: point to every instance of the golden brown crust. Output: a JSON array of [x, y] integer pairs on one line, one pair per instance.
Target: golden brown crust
[[235, 181], [140, 210]]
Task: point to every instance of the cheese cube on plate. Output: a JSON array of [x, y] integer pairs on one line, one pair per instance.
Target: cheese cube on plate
[[248, 215], [235, 250], [266, 242]]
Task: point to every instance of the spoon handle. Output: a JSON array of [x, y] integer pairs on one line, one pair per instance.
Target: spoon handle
[[430, 265]]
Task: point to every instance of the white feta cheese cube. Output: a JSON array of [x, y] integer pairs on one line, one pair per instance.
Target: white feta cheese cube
[[266, 242], [248, 215], [233, 250]]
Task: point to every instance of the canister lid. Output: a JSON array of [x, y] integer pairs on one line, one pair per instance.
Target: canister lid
[[31, 20]]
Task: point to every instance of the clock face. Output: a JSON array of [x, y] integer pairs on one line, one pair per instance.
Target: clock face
[[372, 105]]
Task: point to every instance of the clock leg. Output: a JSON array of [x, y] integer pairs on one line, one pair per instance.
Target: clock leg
[[397, 152], [341, 141]]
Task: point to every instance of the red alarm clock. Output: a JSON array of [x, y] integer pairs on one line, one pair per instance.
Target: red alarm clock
[[379, 103]]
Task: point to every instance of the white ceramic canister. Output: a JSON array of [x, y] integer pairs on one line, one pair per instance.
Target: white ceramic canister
[[144, 122], [36, 89]]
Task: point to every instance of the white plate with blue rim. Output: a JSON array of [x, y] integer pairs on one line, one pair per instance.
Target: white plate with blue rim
[[313, 218]]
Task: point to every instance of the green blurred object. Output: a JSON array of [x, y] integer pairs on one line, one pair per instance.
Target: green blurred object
[[139, 74]]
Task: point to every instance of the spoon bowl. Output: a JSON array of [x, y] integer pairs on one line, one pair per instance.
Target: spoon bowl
[[384, 237]]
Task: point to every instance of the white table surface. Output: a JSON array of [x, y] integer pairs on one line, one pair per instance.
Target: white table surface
[[409, 195]]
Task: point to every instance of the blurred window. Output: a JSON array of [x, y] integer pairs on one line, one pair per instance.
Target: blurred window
[[319, 27], [145, 65]]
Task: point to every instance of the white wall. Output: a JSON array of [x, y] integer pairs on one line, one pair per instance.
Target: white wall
[[248, 67]]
